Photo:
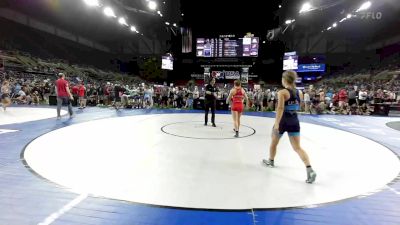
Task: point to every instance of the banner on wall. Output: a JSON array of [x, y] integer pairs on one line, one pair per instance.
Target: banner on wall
[[227, 74], [311, 68], [197, 76], [221, 75]]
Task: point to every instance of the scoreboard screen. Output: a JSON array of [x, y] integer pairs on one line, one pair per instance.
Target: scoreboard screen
[[227, 47]]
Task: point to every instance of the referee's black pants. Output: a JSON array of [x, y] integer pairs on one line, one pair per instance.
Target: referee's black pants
[[210, 104]]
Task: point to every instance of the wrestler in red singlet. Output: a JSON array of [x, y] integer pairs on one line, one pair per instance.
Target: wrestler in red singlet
[[237, 100]]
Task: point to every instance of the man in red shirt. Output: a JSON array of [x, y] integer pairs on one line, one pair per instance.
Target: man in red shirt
[[75, 90], [81, 94], [342, 98], [64, 95]]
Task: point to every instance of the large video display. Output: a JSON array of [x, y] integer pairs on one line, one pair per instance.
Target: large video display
[[167, 62], [227, 47], [290, 61]]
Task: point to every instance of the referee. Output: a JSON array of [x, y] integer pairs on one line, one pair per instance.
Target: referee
[[210, 102]]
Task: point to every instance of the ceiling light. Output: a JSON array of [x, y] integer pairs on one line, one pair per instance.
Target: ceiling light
[[133, 28], [122, 21], [166, 23], [334, 25], [306, 7], [364, 6], [152, 5], [109, 12], [92, 2]]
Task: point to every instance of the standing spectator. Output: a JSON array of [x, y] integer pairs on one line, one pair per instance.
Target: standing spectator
[[179, 97], [189, 100], [273, 99], [362, 97], [82, 95], [64, 95], [74, 91], [5, 94], [119, 90], [107, 94], [196, 93], [100, 94], [352, 97], [210, 102], [148, 97], [259, 98], [164, 96], [342, 98], [307, 102]]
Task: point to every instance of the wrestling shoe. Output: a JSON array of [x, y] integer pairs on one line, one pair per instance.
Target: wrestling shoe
[[311, 175], [269, 163]]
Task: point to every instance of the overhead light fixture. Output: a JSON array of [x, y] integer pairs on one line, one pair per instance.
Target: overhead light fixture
[[280, 6], [342, 20], [92, 2], [329, 28], [167, 23], [182, 14], [364, 6], [287, 22], [161, 15], [334, 25], [109, 12], [174, 24], [349, 16], [137, 31], [152, 5], [306, 7], [133, 28], [122, 21]]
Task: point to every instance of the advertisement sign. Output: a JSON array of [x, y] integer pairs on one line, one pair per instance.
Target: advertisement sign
[[311, 68]]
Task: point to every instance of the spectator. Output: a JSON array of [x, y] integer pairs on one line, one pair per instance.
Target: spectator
[[64, 96], [82, 95]]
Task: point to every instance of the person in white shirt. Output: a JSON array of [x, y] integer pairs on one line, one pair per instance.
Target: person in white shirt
[[196, 93], [21, 93], [22, 98], [148, 97], [362, 97]]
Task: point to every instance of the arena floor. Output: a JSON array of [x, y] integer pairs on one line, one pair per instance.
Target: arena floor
[[165, 167]]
